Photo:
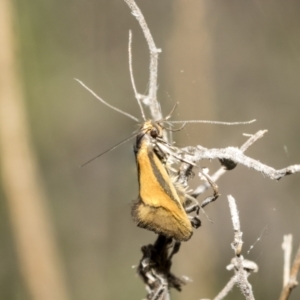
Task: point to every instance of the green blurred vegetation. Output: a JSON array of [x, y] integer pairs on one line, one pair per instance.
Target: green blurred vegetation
[[251, 53]]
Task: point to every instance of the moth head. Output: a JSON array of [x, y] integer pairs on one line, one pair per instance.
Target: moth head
[[156, 131], [149, 134], [153, 129]]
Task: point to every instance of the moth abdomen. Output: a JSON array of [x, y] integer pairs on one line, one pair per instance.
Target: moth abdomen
[[162, 221]]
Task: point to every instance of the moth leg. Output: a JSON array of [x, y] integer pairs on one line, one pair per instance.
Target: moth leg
[[185, 172], [195, 221], [192, 205], [160, 152], [175, 250], [208, 200], [155, 268], [192, 208], [215, 188]]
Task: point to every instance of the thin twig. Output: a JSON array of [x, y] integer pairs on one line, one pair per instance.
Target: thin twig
[[151, 99], [292, 283], [241, 273], [242, 268], [214, 122], [237, 242], [137, 95], [253, 138]]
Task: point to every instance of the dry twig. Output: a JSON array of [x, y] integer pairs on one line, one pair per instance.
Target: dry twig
[[236, 156], [228, 287], [241, 273], [151, 99], [242, 267]]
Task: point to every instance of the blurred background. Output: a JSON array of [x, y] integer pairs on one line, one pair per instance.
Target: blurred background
[[221, 60]]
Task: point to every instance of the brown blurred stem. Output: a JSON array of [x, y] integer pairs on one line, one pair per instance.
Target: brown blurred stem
[[33, 234], [291, 282]]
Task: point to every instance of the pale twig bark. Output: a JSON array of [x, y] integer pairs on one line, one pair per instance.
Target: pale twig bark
[[242, 267], [248, 267], [149, 100], [241, 274], [236, 156], [36, 247], [228, 287], [237, 242], [292, 277]]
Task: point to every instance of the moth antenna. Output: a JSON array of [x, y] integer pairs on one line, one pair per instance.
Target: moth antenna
[[107, 104], [178, 129], [137, 95], [110, 149], [171, 112], [206, 215], [214, 122]]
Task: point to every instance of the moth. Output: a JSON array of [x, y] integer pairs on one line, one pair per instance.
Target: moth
[[160, 206]]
